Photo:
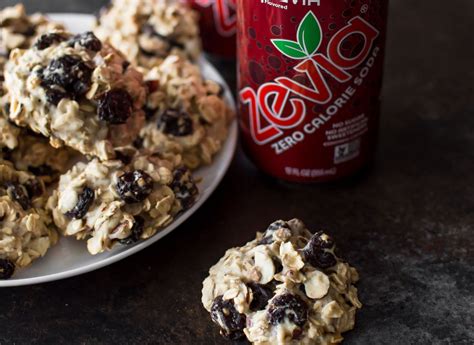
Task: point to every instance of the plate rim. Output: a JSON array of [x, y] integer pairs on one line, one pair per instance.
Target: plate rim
[[231, 141]]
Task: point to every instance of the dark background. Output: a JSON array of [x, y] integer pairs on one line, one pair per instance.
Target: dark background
[[407, 224]]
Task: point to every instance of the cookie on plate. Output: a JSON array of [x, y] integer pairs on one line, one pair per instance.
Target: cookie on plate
[[186, 114], [285, 287], [19, 30], [26, 230], [77, 92], [147, 31], [120, 201], [34, 154]]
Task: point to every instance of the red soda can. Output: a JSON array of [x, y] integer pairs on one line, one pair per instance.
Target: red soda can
[[217, 23], [309, 80]]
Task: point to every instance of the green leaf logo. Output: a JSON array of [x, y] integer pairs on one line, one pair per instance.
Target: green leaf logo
[[289, 48], [309, 36]]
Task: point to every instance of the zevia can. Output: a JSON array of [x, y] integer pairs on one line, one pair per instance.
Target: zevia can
[[310, 74], [217, 24]]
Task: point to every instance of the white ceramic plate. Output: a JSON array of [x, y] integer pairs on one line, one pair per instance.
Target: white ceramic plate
[[70, 257]]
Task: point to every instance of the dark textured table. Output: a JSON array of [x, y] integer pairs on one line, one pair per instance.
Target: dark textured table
[[407, 224]]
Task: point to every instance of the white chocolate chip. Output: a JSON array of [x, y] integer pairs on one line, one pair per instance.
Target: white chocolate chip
[[264, 263], [316, 285]]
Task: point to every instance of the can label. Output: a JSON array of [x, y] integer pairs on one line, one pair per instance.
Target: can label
[[310, 74], [218, 19]]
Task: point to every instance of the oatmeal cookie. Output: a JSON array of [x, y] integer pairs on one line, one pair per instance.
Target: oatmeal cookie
[[18, 30], [21, 186], [120, 201], [34, 154], [26, 230], [77, 92], [186, 114], [285, 287], [147, 31]]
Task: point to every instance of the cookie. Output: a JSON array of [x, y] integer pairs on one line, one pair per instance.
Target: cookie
[[186, 114], [117, 201], [285, 287], [26, 230], [77, 92], [34, 154], [147, 31], [18, 30]]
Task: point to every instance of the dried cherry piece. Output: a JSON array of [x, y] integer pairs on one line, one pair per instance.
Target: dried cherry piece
[[55, 96], [317, 251], [268, 235], [149, 113], [278, 225], [6, 153], [65, 77], [42, 170], [34, 187], [138, 143], [134, 186], [87, 40], [46, 40], [137, 231], [266, 240], [231, 322], [288, 306], [261, 295], [152, 85], [184, 187], [322, 259], [7, 268], [29, 31], [322, 240], [175, 122], [84, 202], [115, 106], [18, 193], [123, 157]]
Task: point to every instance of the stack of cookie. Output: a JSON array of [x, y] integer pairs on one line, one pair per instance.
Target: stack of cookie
[[100, 131]]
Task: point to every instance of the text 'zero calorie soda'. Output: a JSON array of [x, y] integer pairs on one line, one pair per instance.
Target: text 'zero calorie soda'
[[217, 23], [310, 73]]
